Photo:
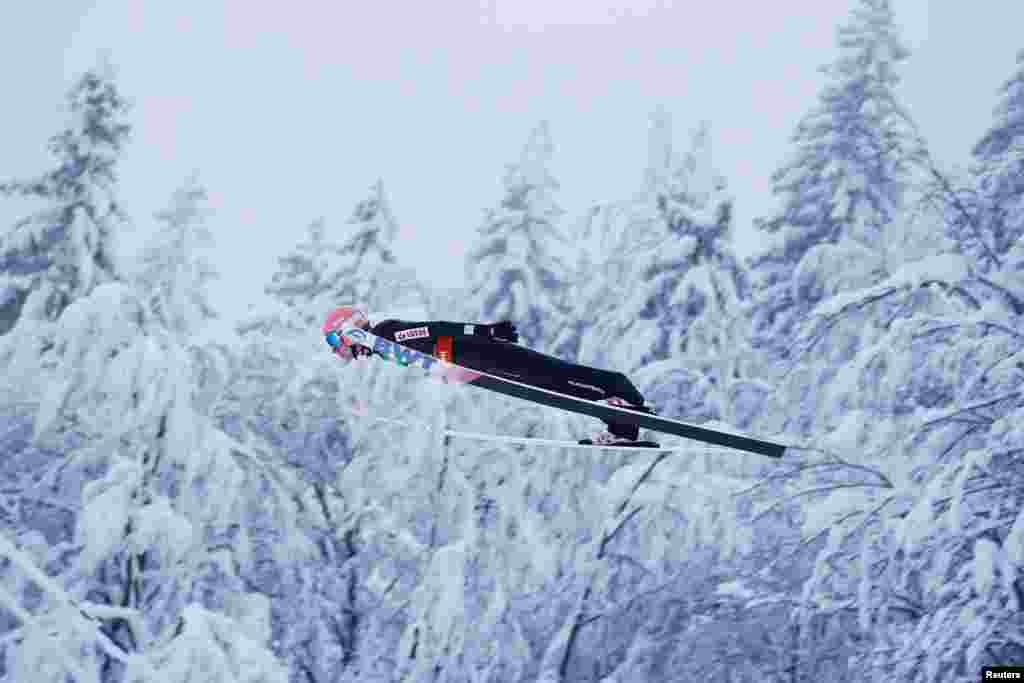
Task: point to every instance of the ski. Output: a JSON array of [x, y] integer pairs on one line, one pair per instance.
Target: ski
[[454, 373], [520, 440], [558, 443]]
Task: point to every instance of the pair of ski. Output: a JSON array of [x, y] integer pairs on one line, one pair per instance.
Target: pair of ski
[[453, 373]]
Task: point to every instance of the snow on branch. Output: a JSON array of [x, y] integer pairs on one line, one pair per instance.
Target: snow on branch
[[82, 621], [944, 271]]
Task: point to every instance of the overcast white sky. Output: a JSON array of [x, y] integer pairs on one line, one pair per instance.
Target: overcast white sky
[[292, 110]]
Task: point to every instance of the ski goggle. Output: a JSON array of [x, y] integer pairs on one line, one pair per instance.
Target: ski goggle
[[334, 340]]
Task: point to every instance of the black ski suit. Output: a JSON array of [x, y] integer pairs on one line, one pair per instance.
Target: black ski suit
[[471, 346]]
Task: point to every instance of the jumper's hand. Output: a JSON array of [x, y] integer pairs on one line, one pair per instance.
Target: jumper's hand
[[359, 350], [504, 331]]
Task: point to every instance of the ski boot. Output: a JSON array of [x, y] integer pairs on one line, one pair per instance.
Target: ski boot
[[609, 439]]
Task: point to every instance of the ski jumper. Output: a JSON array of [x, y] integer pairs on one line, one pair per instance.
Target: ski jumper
[[465, 344]]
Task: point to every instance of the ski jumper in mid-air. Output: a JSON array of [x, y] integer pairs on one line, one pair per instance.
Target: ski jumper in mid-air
[[493, 349]]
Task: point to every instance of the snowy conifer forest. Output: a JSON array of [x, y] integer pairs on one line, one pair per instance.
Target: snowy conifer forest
[[186, 504]]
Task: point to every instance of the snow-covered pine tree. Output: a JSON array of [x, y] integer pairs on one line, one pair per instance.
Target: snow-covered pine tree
[[68, 247], [630, 235], [173, 267], [652, 544], [916, 487], [695, 274], [606, 242], [172, 517], [515, 270], [585, 281], [339, 620], [954, 544], [915, 483], [286, 368], [855, 155], [364, 270], [300, 276], [1000, 169], [675, 318], [610, 241], [285, 382], [177, 522], [279, 334], [694, 288], [281, 324]]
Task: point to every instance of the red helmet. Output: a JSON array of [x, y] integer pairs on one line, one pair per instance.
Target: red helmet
[[338, 320]]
